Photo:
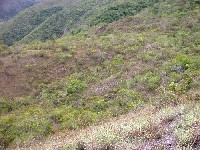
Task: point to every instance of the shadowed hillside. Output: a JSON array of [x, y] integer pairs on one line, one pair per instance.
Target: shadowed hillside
[[9, 8]]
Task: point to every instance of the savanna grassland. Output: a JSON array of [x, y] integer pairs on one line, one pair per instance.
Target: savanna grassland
[[106, 75]]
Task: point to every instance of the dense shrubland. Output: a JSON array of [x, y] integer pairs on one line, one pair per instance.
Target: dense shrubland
[[148, 58]]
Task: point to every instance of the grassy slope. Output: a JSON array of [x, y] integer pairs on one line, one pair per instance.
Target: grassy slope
[[171, 127], [175, 127], [103, 73]]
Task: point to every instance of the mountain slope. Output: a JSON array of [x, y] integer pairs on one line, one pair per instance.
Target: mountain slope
[[85, 15], [26, 21], [147, 58], [10, 8], [67, 18]]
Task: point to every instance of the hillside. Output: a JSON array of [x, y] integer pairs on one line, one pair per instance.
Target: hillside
[[125, 75], [22, 24], [1, 23], [52, 21], [9, 8], [172, 127]]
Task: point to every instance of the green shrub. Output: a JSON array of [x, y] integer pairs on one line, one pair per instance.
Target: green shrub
[[100, 105], [7, 134], [69, 120], [30, 128], [87, 118], [75, 86], [32, 123], [153, 82], [194, 64], [62, 57], [3, 48], [115, 63], [180, 63], [175, 77], [77, 119], [39, 54], [57, 113], [184, 85], [97, 55], [20, 102], [29, 123], [128, 99], [5, 106]]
